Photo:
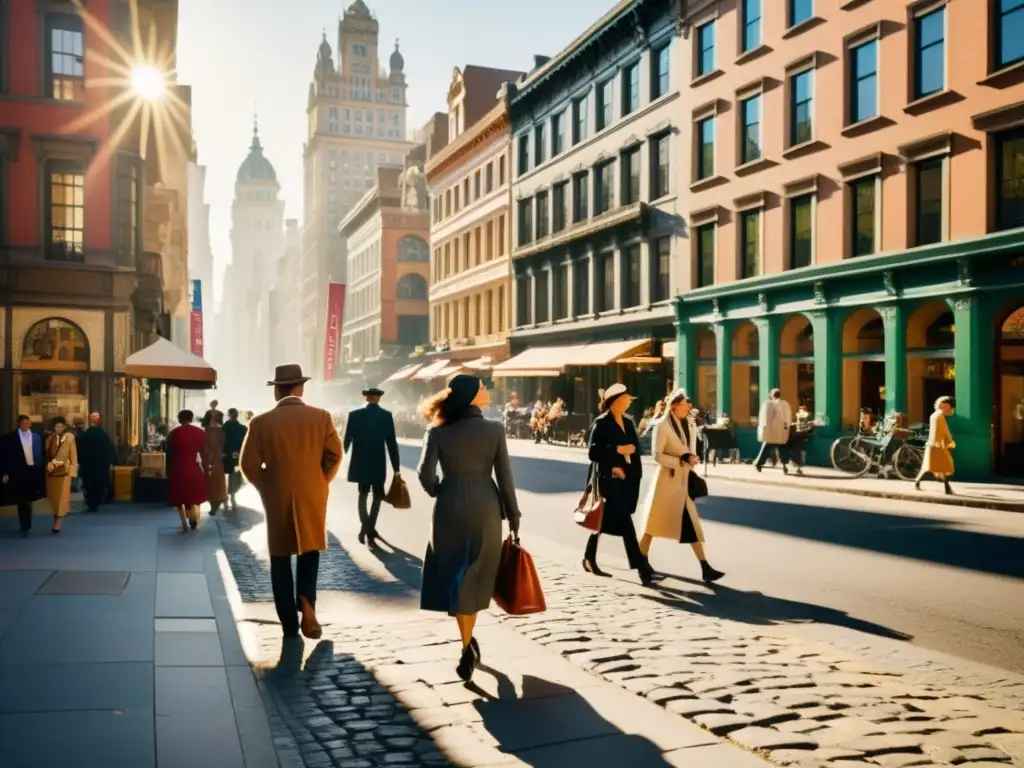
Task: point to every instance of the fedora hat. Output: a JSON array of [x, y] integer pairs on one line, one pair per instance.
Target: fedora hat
[[373, 392], [290, 373], [614, 392]]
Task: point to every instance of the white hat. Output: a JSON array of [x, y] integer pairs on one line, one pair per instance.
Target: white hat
[[677, 394], [613, 392]]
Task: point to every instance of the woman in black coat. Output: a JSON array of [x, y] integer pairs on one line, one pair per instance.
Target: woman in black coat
[[234, 436], [615, 453]]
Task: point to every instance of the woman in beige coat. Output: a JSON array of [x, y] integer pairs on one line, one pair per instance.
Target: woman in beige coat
[[938, 457], [668, 511], [61, 466]]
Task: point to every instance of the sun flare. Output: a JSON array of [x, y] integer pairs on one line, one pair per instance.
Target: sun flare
[[148, 83]]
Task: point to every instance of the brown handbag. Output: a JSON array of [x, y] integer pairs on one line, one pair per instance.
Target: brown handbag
[[589, 512], [398, 494], [517, 589]]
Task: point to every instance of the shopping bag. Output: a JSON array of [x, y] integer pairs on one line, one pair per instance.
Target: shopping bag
[[398, 494], [589, 512], [517, 589]]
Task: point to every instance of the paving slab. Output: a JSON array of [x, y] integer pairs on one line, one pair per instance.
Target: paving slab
[[183, 595], [85, 583], [84, 739], [57, 687]]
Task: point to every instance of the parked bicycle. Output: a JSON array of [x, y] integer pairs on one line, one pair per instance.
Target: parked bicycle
[[892, 448]]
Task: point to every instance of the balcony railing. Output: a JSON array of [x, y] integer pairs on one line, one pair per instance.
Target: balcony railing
[[65, 252]]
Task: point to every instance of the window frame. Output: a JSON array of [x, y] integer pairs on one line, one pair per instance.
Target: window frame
[[1002, 140], [608, 287], [854, 79], [700, 50], [661, 283], [939, 164], [557, 134], [658, 88], [559, 220], [747, 22], [743, 158], [853, 185], [999, 16], [917, 50], [542, 223], [64, 22], [630, 163], [632, 276], [630, 87], [524, 223], [794, 104], [660, 149], [134, 179], [604, 96], [580, 118], [699, 263], [51, 168], [791, 19], [810, 198], [539, 140], [744, 242], [523, 156], [580, 181], [702, 169], [604, 188]]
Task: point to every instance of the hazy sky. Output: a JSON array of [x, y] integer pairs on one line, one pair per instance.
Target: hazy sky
[[239, 53]]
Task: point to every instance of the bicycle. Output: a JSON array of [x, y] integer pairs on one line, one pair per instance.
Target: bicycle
[[909, 458], [856, 454]]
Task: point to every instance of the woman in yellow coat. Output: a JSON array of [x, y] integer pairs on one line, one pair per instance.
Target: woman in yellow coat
[[938, 457], [61, 466]]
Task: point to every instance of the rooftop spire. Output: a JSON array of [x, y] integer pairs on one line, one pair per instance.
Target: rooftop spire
[[255, 129]]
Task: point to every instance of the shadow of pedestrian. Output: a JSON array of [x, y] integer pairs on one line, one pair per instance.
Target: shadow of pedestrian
[[405, 567], [722, 602]]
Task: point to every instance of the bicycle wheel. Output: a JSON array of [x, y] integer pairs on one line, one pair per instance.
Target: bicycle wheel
[[841, 455], [907, 462]]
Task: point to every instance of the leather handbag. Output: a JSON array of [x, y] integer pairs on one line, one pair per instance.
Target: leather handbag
[[696, 486], [589, 512], [398, 494], [517, 590]]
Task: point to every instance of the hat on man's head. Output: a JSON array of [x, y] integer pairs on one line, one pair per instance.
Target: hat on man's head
[[373, 392], [288, 375]]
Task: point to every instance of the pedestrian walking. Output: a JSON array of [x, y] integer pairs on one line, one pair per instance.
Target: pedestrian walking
[[210, 414], [96, 457], [938, 456], [61, 466], [477, 492], [291, 453], [213, 463], [669, 511], [22, 471], [614, 451], [369, 432], [185, 446], [773, 424], [234, 436]]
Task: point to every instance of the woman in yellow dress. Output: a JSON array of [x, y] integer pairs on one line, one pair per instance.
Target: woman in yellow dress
[[938, 456], [61, 466]]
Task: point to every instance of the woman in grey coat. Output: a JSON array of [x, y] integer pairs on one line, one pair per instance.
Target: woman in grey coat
[[461, 564]]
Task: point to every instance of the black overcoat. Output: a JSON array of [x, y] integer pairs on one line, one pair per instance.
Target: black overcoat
[[620, 496], [24, 483], [234, 436], [96, 455], [369, 433]]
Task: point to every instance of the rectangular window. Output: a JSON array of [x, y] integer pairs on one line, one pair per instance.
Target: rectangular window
[[750, 244], [659, 167], [800, 11], [1009, 32], [581, 287], [864, 81], [458, 206], [801, 126], [501, 171], [542, 214], [631, 273], [579, 119], [928, 208], [631, 176], [66, 212], [631, 88], [751, 25], [1010, 180], [522, 301], [706, 148], [65, 57], [608, 286], [489, 182], [705, 48], [580, 197], [128, 210], [558, 206], [539, 144], [476, 185], [801, 231], [557, 134], [930, 53], [561, 292], [862, 198], [489, 241], [526, 221], [604, 104], [540, 299], [750, 135], [660, 78], [663, 269], [705, 256], [604, 188], [501, 236]]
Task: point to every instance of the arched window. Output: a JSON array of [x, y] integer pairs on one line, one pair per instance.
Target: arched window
[[412, 248], [412, 287], [55, 343], [54, 379]]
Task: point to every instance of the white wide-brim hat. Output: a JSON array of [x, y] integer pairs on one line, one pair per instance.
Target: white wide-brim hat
[[614, 392]]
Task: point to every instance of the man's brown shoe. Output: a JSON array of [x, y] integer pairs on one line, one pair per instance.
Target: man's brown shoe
[[309, 625]]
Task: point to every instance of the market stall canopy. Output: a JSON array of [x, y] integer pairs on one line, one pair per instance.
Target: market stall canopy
[[431, 370], [162, 360], [403, 374], [552, 361]]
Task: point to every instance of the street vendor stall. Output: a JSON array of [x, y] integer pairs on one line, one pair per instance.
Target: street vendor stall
[[165, 367]]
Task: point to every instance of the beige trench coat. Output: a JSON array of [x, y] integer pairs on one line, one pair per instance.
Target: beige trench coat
[[938, 458], [290, 455], [774, 421], [58, 489], [662, 515]]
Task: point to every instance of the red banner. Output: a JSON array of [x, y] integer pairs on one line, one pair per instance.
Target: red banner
[[332, 339], [196, 333]]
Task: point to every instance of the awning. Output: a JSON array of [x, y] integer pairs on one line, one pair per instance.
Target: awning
[[607, 352], [431, 370], [538, 373], [162, 360], [480, 364], [535, 361], [448, 370], [403, 374]]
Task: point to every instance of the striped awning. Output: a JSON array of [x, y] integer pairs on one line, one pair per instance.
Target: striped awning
[[403, 374], [431, 370]]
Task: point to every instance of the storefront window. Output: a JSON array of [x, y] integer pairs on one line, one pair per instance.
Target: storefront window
[[707, 373], [54, 381], [1011, 395]]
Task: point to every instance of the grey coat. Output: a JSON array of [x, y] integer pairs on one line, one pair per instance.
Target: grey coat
[[475, 493]]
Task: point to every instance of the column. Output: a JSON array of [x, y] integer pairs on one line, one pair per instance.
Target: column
[[767, 355], [974, 350], [570, 288], [517, 287], [686, 358], [895, 336], [531, 310], [646, 271], [828, 371], [550, 298], [620, 288], [595, 296], [723, 362]]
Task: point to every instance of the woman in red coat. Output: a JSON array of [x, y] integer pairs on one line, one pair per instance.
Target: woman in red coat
[[185, 445]]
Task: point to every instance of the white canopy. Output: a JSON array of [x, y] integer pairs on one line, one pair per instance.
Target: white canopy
[[162, 360]]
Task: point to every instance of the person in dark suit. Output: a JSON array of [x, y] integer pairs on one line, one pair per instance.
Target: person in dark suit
[[96, 455], [21, 471], [234, 436], [370, 431]]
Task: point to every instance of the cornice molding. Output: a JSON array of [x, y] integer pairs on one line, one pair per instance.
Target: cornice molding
[[491, 125]]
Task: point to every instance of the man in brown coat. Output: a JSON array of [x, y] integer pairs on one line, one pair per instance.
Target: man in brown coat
[[290, 455]]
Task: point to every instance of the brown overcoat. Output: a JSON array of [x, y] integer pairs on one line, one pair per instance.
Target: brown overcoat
[[290, 455]]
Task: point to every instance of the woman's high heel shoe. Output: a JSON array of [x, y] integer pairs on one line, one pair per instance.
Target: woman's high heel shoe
[[590, 566], [708, 573], [476, 650], [467, 664]]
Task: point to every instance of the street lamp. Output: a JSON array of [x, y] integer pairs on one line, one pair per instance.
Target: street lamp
[[148, 83]]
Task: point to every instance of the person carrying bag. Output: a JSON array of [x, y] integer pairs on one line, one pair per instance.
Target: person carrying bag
[[517, 590]]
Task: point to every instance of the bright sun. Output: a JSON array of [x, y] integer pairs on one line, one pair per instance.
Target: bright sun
[[148, 83]]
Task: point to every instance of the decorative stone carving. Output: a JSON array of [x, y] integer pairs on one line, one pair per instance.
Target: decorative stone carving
[[964, 278], [414, 189], [762, 301], [90, 321], [889, 283], [963, 303], [888, 313], [819, 293], [818, 314], [639, 35], [122, 336], [716, 310]]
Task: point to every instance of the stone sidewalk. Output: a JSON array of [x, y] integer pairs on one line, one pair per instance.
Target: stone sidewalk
[[118, 647]]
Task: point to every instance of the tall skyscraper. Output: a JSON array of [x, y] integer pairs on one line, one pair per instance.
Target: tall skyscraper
[[356, 124]]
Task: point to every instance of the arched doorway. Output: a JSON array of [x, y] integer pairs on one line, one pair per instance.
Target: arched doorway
[[796, 362], [745, 398], [1010, 417], [930, 358], [707, 371], [54, 376], [863, 365]]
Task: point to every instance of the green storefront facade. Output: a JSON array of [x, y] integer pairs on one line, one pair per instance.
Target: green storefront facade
[[890, 332]]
